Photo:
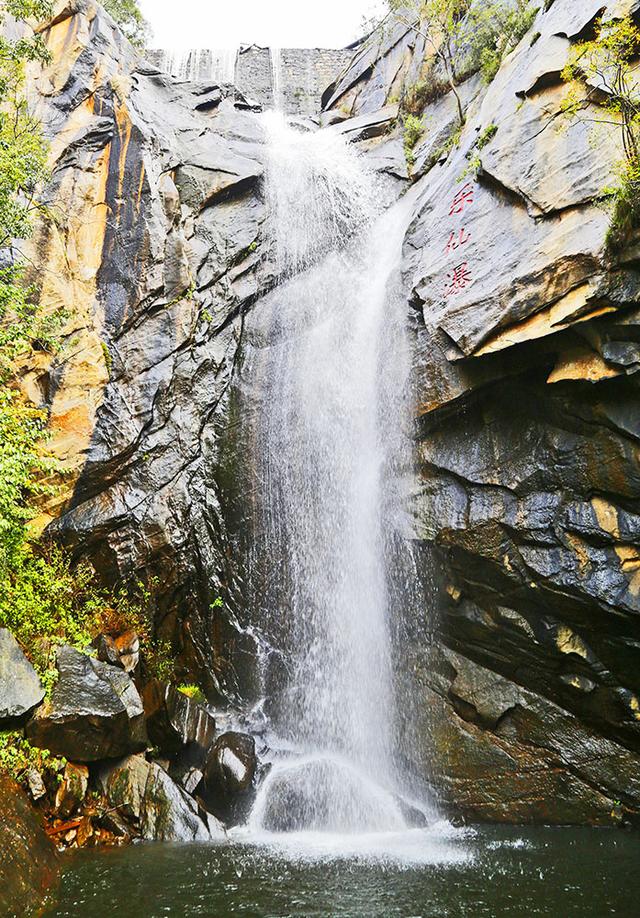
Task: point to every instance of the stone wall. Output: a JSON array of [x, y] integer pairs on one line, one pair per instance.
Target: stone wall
[[304, 73]]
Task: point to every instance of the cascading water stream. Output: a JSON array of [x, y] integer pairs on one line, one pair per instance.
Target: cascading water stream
[[330, 450]]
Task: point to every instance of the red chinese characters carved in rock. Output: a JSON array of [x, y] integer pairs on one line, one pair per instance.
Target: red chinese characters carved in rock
[[457, 239], [463, 197], [458, 279]]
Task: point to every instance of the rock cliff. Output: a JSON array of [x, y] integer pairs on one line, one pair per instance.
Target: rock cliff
[[526, 353], [525, 335]]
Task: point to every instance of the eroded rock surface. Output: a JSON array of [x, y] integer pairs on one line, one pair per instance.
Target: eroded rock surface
[[159, 214], [526, 334]]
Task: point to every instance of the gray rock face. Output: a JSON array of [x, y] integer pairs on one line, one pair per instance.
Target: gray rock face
[[157, 259], [20, 689], [95, 712], [141, 791]]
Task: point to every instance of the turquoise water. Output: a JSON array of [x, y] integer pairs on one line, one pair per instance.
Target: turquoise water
[[494, 872]]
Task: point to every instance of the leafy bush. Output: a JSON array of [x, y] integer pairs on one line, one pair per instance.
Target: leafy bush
[[18, 756], [495, 29], [625, 201], [413, 131], [194, 692], [421, 94]]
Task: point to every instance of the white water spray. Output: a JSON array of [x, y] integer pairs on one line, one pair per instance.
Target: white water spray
[[329, 450]]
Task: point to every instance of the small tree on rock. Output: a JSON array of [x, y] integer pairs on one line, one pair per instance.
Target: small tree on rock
[[605, 78]]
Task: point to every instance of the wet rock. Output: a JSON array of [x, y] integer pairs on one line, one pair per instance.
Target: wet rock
[[124, 783], [499, 753], [95, 711], [229, 776], [72, 790], [174, 720], [20, 689], [144, 792], [29, 865]]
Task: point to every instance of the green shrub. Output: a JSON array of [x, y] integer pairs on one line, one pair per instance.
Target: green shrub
[[421, 94], [625, 201], [129, 17], [610, 60], [18, 756], [194, 692], [413, 131]]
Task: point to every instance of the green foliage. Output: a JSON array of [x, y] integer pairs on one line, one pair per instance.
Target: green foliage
[[413, 131], [605, 91], [18, 756], [159, 658], [473, 156], [194, 692], [625, 204], [28, 47], [486, 136], [130, 19], [494, 30]]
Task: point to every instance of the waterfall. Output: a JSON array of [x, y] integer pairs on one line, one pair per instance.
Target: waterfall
[[215, 64], [276, 77], [330, 449]]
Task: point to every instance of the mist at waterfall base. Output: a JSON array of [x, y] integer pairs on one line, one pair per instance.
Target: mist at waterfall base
[[327, 364]]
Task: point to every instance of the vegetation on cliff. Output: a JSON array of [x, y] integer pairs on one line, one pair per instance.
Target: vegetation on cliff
[[44, 601], [463, 37], [605, 90], [130, 19]]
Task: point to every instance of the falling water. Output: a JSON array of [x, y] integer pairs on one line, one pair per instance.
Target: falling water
[[330, 450], [215, 64], [276, 77]]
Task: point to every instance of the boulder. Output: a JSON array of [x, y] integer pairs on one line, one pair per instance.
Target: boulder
[[95, 712], [229, 776], [143, 792], [20, 689], [29, 864], [175, 721], [72, 790]]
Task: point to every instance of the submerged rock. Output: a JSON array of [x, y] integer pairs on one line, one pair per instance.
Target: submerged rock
[[95, 712], [229, 776], [20, 689]]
